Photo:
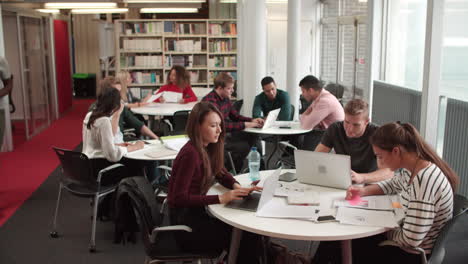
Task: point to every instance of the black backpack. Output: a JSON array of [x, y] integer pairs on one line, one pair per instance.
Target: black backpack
[[134, 193]]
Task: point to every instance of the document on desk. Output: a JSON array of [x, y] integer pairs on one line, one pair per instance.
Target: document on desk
[[175, 143], [278, 208], [374, 202], [161, 153], [366, 217], [172, 97], [155, 97]]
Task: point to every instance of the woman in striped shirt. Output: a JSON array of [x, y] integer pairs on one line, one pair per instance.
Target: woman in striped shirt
[[425, 183]]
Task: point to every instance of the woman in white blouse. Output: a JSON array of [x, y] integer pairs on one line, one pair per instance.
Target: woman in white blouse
[[99, 129]]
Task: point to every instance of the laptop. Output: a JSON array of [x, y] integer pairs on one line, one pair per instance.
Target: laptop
[[323, 169], [271, 118], [249, 203]]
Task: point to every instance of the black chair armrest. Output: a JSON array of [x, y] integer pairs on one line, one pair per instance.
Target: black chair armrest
[[172, 228], [108, 171]]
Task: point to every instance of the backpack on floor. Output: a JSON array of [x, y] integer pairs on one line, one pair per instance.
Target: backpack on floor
[[133, 192]]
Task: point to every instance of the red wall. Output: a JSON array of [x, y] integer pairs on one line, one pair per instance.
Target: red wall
[[63, 65]]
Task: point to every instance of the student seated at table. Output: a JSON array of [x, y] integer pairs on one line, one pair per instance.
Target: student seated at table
[[425, 183], [324, 110], [178, 81], [127, 118], [99, 131], [351, 137], [125, 79], [239, 143], [270, 99], [196, 168]]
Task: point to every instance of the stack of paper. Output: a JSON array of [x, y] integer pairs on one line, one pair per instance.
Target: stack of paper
[[161, 153], [175, 142]]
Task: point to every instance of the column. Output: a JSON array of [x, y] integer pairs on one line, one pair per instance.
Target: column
[[251, 25], [292, 57]]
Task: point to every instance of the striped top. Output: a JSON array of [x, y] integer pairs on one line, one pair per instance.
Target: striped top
[[428, 205]]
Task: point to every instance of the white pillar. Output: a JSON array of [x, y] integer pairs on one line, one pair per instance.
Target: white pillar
[[432, 70], [292, 70], [251, 21]]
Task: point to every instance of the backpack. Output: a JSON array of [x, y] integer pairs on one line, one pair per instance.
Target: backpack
[[134, 193], [277, 253]]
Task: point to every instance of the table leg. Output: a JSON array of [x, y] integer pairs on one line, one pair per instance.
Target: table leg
[[234, 248], [275, 147], [346, 252]]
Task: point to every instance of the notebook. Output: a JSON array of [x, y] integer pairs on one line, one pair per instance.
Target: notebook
[[249, 203], [323, 169]]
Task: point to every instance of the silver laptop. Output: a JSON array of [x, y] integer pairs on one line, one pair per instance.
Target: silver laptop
[[324, 169], [271, 118]]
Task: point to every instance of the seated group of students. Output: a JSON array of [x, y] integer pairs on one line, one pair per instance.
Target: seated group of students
[[391, 159]]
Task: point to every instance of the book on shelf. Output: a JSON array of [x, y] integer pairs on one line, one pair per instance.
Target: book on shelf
[[187, 45], [141, 61], [135, 91], [130, 28], [227, 28], [213, 74], [222, 61], [145, 92], [142, 44], [146, 77], [222, 45]]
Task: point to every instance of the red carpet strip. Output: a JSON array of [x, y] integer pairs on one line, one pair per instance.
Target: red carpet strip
[[23, 170]]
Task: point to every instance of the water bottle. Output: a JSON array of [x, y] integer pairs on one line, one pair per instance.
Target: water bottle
[[254, 164]]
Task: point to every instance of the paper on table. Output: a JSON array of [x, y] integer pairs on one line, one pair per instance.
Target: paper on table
[[175, 143], [155, 97], [161, 153], [278, 208], [172, 97], [306, 198], [366, 217], [375, 202]]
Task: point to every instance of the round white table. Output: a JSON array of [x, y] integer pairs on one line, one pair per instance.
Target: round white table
[[277, 132], [163, 109], [294, 229]]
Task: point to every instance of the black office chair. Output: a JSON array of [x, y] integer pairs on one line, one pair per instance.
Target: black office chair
[[337, 90], [158, 240], [238, 105], [179, 121], [460, 211], [78, 179]]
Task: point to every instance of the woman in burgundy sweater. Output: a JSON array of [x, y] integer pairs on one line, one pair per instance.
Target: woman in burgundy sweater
[[197, 166], [178, 81]]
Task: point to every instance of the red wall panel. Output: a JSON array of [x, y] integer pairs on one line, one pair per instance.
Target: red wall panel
[[62, 65]]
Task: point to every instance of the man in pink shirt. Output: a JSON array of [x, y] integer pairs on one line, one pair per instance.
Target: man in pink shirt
[[324, 111]]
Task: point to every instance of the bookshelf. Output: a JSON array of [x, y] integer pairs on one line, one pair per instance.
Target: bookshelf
[[148, 48]]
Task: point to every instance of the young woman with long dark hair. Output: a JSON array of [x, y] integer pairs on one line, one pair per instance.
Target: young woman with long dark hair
[[196, 168], [178, 81], [426, 185]]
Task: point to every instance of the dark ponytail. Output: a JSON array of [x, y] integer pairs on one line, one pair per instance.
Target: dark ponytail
[[406, 135], [107, 103]]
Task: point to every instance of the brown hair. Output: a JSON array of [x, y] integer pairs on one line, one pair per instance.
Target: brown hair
[[122, 77], [222, 80], [213, 155], [406, 135], [356, 107], [182, 79], [107, 103]]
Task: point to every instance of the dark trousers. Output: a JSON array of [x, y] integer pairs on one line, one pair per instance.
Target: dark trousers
[[210, 234], [365, 250], [239, 144]]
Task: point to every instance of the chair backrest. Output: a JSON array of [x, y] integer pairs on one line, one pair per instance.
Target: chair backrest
[[460, 208], [238, 105], [76, 166], [336, 89], [180, 119], [292, 113]]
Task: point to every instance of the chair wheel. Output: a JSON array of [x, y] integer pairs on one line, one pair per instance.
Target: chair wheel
[[92, 249], [54, 234]]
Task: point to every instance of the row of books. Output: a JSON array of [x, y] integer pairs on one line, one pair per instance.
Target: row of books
[[197, 77], [222, 45], [222, 61], [142, 44], [184, 28], [142, 28], [212, 74], [222, 29], [141, 61], [139, 77], [183, 45], [140, 92], [185, 60]]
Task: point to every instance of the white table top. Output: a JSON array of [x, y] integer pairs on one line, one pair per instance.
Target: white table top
[[162, 109], [295, 229], [294, 130], [155, 146]]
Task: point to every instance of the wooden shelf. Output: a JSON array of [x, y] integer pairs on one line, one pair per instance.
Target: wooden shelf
[[184, 36], [222, 36], [224, 53], [184, 52], [223, 69], [140, 51], [142, 36], [141, 68], [144, 84]]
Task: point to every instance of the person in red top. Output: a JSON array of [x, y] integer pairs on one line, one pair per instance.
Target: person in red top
[[196, 168], [179, 82]]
